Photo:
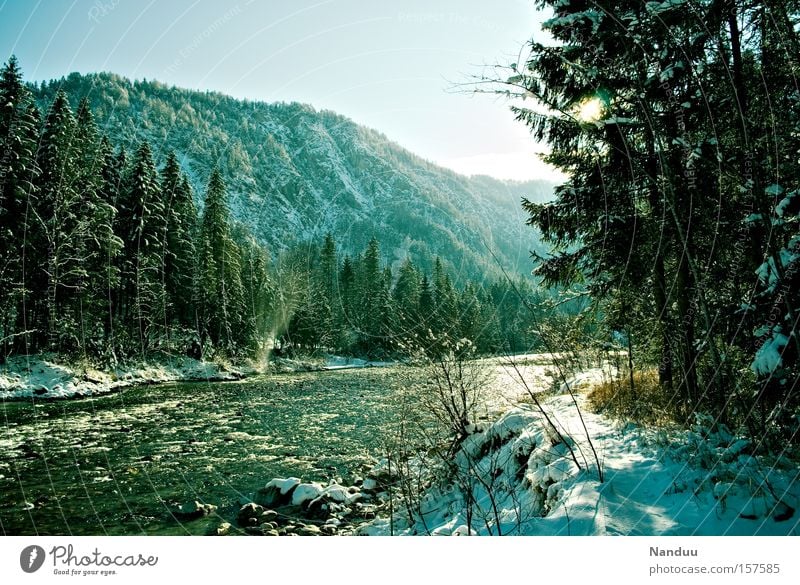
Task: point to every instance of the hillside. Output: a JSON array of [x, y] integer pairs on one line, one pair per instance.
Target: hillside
[[295, 173]]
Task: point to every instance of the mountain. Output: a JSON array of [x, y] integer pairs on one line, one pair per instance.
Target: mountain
[[294, 173]]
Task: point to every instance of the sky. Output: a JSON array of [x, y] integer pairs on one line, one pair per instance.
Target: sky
[[398, 67]]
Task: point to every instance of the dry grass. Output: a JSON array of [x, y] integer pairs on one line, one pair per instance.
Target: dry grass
[[646, 403]]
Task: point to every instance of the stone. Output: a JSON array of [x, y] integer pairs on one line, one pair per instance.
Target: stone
[[268, 515], [319, 509], [224, 529], [249, 514], [782, 512], [194, 510], [338, 493], [306, 492], [329, 529], [309, 530], [274, 495]]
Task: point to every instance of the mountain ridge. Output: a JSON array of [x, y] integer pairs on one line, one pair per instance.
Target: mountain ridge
[[295, 173]]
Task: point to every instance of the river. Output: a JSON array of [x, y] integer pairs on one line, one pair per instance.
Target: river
[[119, 464]]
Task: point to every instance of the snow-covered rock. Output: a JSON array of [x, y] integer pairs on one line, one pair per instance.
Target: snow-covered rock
[[305, 492]]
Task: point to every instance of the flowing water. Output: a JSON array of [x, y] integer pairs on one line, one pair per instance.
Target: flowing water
[[119, 464]]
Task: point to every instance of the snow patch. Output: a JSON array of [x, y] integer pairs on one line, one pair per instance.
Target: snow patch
[[44, 377], [701, 481]]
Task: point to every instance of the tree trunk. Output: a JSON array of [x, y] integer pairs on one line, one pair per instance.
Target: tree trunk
[[659, 279], [688, 385], [660, 297]]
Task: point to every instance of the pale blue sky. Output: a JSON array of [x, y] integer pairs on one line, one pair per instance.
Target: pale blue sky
[[388, 65]]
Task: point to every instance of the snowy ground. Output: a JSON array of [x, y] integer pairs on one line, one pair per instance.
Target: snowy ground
[[656, 482], [337, 362], [42, 377]]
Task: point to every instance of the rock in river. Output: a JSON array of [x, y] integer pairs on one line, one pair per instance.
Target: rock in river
[[249, 514], [277, 492], [194, 510]]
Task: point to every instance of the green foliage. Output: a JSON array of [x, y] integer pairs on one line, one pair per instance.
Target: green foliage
[[118, 264], [368, 311], [680, 191]]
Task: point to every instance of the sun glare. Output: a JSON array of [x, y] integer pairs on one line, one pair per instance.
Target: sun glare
[[590, 110]]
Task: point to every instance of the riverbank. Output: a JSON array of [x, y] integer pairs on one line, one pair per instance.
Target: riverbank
[[534, 472], [49, 377], [46, 377]]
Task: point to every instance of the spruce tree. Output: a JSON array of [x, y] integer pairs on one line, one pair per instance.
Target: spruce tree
[[221, 295], [179, 247], [19, 122], [106, 272], [142, 218], [406, 294], [372, 297], [258, 293], [670, 202], [96, 218], [325, 294], [349, 301], [60, 254]]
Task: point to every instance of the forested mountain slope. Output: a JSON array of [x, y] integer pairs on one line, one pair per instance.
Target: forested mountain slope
[[294, 173]]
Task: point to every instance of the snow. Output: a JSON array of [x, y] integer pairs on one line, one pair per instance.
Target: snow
[[44, 377], [773, 190], [305, 492], [657, 481], [768, 274], [657, 8], [568, 20], [284, 485], [768, 357], [339, 493], [513, 422], [783, 205], [335, 362], [753, 218]]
